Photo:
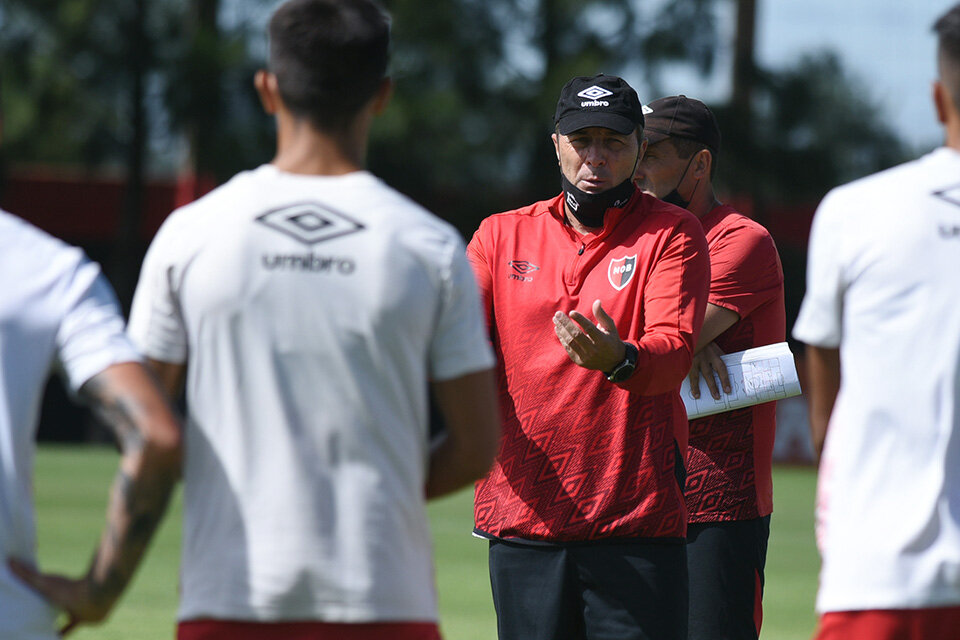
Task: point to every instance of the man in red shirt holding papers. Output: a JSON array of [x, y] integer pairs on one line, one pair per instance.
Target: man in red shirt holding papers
[[584, 506], [729, 489]]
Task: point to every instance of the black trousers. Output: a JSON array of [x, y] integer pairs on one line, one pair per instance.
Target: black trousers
[[598, 591], [726, 562]]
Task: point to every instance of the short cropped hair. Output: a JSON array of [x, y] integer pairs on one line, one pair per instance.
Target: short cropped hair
[[329, 57], [947, 28], [686, 147]]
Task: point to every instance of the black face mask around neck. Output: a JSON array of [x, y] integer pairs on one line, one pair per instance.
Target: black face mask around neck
[[589, 208], [674, 196]]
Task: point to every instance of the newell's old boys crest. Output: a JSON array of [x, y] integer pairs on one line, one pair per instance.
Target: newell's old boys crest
[[621, 270]]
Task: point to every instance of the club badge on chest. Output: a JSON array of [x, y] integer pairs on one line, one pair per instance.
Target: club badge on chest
[[620, 271]]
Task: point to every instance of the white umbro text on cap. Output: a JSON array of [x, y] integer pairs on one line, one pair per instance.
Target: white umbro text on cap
[[593, 95]]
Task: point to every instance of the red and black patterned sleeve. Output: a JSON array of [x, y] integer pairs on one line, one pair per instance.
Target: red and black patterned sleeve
[[674, 303]]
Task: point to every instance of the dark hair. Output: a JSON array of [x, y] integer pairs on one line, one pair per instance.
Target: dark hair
[[329, 57], [947, 28], [685, 147]]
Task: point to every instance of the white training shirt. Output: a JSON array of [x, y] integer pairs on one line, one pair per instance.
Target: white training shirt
[[55, 309], [884, 285], [311, 312]]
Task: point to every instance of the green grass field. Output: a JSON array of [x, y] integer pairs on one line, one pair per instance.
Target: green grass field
[[71, 489]]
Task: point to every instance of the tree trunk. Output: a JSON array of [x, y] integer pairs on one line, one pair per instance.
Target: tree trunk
[[744, 68], [127, 249]]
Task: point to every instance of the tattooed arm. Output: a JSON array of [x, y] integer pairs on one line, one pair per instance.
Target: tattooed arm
[[128, 399]]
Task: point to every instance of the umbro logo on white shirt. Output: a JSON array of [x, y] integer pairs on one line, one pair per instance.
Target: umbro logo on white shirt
[[949, 230], [310, 222]]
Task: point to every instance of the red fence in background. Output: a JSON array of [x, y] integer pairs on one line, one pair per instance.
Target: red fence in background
[[85, 208], [82, 207]]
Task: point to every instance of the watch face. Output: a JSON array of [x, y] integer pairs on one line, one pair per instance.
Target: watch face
[[622, 372], [625, 369]]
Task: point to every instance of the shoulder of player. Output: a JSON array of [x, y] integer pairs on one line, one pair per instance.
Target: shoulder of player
[[536, 210], [732, 225], [877, 189], [668, 218], [530, 217], [19, 237], [190, 225]]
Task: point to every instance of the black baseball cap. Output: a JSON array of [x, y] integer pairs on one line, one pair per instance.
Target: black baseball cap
[[598, 101], [681, 117]]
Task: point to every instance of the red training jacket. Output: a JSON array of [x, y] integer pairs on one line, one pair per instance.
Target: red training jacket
[[730, 456], [582, 458]]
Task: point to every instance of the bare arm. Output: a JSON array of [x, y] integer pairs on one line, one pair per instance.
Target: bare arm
[[126, 397], [823, 375], [706, 358], [170, 375], [716, 320], [470, 411]]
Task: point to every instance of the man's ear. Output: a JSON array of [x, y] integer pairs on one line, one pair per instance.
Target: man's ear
[[556, 145], [382, 97], [942, 101], [703, 163], [266, 86]]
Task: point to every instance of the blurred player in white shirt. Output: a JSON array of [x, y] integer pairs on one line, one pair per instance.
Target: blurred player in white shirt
[[306, 306], [57, 311], [882, 301]]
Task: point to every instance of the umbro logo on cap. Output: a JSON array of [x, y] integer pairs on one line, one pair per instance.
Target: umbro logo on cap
[[595, 93], [598, 101]]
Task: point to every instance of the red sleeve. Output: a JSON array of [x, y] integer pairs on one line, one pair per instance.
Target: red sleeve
[[745, 270], [477, 255], [674, 302]]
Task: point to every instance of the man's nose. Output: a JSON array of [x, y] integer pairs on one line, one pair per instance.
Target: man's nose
[[596, 155]]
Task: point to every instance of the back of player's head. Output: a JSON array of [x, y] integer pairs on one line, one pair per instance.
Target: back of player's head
[[947, 28], [329, 57]]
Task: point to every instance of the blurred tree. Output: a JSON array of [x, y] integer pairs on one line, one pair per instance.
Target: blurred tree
[[208, 70], [64, 68], [477, 80], [469, 128], [111, 84], [76, 73], [812, 126]]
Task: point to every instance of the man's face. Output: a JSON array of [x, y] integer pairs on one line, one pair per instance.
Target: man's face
[[596, 159], [660, 169]]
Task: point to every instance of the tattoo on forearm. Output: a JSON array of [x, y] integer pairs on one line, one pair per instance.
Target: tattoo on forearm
[[117, 411], [136, 509], [138, 497]]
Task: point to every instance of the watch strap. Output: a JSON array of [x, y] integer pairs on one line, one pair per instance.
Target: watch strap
[[625, 369]]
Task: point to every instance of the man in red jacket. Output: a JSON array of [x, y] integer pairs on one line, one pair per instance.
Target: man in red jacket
[[584, 506], [729, 487]]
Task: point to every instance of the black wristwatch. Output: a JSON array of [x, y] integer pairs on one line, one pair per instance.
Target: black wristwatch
[[625, 369]]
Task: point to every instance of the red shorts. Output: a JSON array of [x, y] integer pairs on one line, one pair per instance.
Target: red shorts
[[229, 630], [942, 623]]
